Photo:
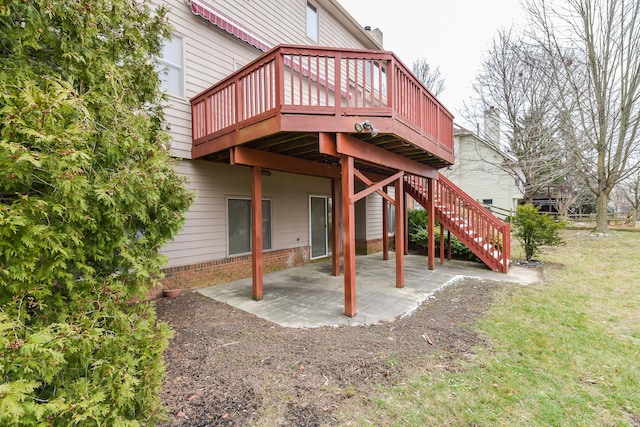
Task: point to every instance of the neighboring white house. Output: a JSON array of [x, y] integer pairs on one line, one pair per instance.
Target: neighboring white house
[[483, 172]]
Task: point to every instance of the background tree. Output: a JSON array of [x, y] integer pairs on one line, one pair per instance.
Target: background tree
[[593, 48], [630, 192], [516, 102], [88, 195], [430, 77]]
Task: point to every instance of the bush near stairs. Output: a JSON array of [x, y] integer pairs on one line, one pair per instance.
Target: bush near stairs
[[419, 236]]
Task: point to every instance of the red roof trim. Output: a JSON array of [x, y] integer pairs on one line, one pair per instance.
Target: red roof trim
[[218, 19]]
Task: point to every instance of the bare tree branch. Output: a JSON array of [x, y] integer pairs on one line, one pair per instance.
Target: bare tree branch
[[593, 48], [430, 77], [515, 98]]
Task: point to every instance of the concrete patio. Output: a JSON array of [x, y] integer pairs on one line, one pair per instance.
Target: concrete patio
[[309, 296]]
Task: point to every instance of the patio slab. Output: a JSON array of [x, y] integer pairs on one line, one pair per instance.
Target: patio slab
[[309, 296]]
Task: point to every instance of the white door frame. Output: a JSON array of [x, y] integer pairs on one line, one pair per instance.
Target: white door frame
[[326, 227]]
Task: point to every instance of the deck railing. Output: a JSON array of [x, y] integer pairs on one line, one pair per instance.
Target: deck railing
[[320, 81]]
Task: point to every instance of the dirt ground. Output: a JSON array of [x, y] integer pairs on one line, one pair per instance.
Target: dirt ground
[[226, 367]]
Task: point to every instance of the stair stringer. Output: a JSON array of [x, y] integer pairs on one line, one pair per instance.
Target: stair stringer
[[477, 228]]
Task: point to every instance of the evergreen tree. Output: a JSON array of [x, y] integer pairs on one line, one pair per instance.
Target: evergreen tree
[[88, 195], [534, 229]]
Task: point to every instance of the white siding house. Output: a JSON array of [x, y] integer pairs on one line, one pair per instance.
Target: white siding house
[[483, 172]]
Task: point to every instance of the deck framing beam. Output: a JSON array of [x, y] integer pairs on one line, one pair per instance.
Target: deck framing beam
[[251, 157]]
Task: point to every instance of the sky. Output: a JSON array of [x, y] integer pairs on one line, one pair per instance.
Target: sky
[[451, 34]]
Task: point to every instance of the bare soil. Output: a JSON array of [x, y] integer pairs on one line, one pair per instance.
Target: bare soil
[[226, 367]]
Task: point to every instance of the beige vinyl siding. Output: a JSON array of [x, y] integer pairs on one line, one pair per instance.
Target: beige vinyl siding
[[210, 55], [374, 216], [290, 18], [368, 216], [204, 235]]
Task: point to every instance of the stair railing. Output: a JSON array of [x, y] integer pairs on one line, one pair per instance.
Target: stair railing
[[476, 227]]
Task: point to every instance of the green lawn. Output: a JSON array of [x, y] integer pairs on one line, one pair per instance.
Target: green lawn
[[562, 353]]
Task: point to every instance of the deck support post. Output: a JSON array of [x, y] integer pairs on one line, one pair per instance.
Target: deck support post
[[256, 232], [399, 196], [335, 228], [348, 236], [385, 227], [406, 223], [431, 213], [441, 244]]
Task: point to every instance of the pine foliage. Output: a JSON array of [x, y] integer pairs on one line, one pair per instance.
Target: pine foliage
[[535, 229], [88, 195]]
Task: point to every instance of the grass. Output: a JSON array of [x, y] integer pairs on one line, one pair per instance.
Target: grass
[[562, 353]]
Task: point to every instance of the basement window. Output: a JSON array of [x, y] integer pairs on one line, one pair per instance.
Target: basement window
[[239, 220]]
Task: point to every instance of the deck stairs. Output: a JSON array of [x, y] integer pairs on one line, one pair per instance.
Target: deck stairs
[[473, 224]]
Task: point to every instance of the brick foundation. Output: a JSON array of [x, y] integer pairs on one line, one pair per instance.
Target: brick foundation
[[209, 273], [366, 247]]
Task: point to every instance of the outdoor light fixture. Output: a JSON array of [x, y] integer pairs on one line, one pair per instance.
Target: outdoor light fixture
[[366, 125]]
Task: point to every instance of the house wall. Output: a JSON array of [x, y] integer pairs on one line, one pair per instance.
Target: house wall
[[369, 222], [477, 171], [199, 253], [204, 236]]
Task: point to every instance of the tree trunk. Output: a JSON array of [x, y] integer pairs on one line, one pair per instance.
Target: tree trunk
[[601, 213]]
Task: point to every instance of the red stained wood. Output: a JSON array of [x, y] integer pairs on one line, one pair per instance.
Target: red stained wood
[[375, 187], [251, 157], [441, 244], [306, 85], [483, 233], [399, 232], [406, 225], [385, 227], [353, 147], [327, 144], [348, 237], [256, 232], [431, 217]]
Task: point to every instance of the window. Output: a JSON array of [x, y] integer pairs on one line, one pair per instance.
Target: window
[[171, 67], [487, 201], [312, 21], [239, 220], [391, 217]]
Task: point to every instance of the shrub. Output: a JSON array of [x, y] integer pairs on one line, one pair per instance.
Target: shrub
[[419, 235], [88, 195], [534, 230]]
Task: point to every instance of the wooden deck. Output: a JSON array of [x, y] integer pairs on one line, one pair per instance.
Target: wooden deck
[[281, 103], [345, 115]]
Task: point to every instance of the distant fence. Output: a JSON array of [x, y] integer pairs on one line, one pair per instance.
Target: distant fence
[[614, 218], [502, 213], [627, 218]]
